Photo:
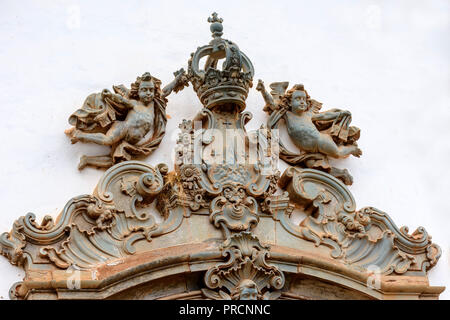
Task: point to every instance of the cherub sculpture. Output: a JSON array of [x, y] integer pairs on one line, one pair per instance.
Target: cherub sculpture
[[246, 290], [318, 135], [132, 122]]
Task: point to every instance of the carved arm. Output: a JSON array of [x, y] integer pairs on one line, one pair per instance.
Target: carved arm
[[275, 117], [330, 115], [117, 98], [266, 96], [177, 84]]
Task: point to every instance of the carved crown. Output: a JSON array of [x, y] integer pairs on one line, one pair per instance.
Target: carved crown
[[228, 85]]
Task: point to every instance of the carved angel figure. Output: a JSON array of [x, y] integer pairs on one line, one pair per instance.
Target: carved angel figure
[[318, 135], [132, 122]]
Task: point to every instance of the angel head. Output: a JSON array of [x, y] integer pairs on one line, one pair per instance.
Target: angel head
[[246, 290], [145, 88], [296, 99]]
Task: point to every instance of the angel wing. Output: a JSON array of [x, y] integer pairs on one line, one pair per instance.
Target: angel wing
[[315, 105], [272, 295], [98, 113], [122, 90], [278, 90]]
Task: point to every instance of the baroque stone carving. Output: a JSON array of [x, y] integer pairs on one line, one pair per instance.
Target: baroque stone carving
[[92, 228], [246, 274], [318, 135], [229, 180], [235, 209], [145, 227], [216, 87], [363, 238], [132, 122]]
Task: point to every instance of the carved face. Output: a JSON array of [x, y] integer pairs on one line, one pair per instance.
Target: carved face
[[299, 102], [234, 195], [146, 91], [248, 290]]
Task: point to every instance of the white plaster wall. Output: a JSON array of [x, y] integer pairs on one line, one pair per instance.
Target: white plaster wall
[[386, 61]]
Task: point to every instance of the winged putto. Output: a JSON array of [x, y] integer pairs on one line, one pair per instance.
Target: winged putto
[[132, 122], [317, 135]]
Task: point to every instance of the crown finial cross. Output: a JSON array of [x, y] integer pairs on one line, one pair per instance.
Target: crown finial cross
[[216, 25], [215, 18]]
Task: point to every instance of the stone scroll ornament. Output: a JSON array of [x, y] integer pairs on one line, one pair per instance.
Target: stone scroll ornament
[[93, 228], [224, 227], [132, 122], [359, 238], [246, 275]]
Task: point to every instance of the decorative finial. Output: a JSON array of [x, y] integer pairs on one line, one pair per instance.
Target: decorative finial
[[216, 25], [146, 77]]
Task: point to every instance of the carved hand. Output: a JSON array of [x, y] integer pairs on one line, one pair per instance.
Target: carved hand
[[106, 93], [345, 113], [180, 73], [178, 83], [260, 85]]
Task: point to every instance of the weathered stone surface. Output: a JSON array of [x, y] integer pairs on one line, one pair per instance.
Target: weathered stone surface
[[223, 229], [132, 122], [318, 135]]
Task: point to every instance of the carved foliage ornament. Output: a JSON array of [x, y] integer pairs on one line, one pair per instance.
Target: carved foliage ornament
[[318, 135], [92, 229], [361, 239], [140, 212], [246, 275]]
